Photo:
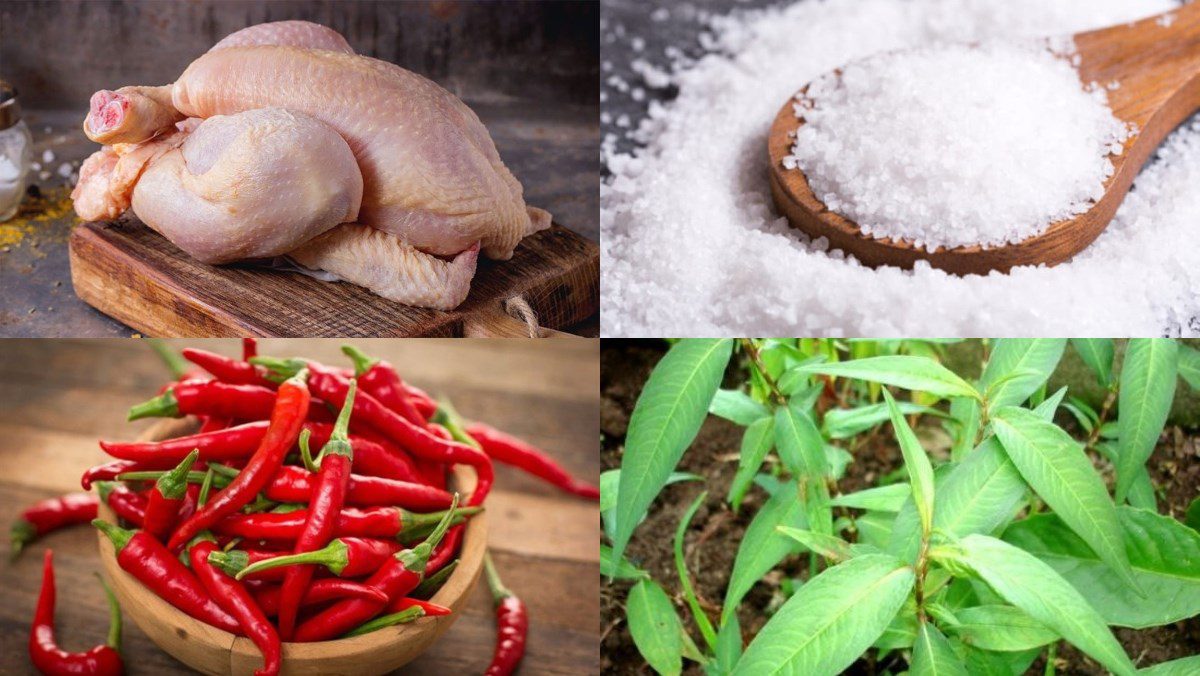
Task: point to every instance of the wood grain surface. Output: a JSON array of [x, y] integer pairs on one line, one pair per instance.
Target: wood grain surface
[[1157, 65], [137, 276], [58, 397]]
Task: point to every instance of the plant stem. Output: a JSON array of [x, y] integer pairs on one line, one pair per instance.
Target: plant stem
[[752, 352], [1105, 409]]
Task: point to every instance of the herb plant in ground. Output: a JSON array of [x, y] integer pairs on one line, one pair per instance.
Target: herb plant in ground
[[977, 560]]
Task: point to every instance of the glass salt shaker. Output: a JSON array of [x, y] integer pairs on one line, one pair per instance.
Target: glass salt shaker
[[16, 152]]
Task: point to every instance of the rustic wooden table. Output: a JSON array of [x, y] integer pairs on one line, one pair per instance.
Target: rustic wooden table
[[58, 397]]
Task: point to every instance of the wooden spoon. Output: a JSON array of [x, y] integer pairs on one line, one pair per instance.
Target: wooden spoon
[[1156, 61]]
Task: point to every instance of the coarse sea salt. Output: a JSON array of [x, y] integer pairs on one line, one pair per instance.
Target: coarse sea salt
[[692, 245], [957, 144]]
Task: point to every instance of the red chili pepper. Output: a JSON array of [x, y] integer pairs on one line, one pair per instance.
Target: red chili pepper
[[287, 417], [234, 443], [294, 484], [513, 451], [446, 551], [235, 560], [344, 557], [372, 455], [210, 397], [225, 369], [320, 591], [371, 522], [380, 380], [49, 515], [249, 348], [433, 581], [146, 559], [166, 498], [399, 575], [237, 601], [111, 470], [328, 496], [512, 624], [403, 617], [104, 660], [425, 404], [126, 504], [405, 602], [414, 438]]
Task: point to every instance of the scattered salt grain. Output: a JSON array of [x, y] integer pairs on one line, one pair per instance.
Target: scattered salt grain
[[661, 14], [47, 157], [955, 144], [637, 44], [64, 169], [694, 247]]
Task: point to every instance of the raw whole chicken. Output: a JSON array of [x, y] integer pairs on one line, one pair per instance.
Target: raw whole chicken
[[281, 141]]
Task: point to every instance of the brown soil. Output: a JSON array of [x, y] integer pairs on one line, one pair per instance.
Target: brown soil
[[711, 542]]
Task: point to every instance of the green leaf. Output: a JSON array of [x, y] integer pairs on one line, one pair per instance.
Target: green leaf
[[875, 528], [619, 570], [1097, 353], [762, 546], [1046, 409], [824, 627], [987, 663], [1163, 553], [932, 655], [1002, 628], [756, 443], [843, 423], [1147, 388], [655, 627], [1033, 586], [901, 633], [910, 373], [967, 413], [610, 480], [828, 546], [800, 445], [689, 593], [884, 498], [1186, 666], [1023, 364], [1192, 516], [1060, 473], [1189, 366], [920, 472], [729, 647], [737, 407], [665, 419]]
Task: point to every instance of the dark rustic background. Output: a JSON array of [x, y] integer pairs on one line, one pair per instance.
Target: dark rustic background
[[529, 69], [58, 53]]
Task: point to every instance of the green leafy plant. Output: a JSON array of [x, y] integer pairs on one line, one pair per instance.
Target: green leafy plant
[[974, 560]]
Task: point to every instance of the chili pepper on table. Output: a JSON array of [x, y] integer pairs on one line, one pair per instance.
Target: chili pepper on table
[[49, 515], [166, 498], [287, 417], [512, 624], [404, 603], [399, 575], [237, 601], [414, 438], [371, 522], [225, 369], [126, 504], [103, 660], [320, 591], [150, 562], [380, 380], [433, 581], [209, 397], [510, 450], [330, 482]]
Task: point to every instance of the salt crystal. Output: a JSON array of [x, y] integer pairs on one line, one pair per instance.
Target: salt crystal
[[661, 14], [637, 44], [47, 157], [64, 169]]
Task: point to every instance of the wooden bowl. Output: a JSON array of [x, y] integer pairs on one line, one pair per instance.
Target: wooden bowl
[[214, 651]]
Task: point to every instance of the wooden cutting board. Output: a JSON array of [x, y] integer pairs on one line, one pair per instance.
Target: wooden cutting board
[[133, 274]]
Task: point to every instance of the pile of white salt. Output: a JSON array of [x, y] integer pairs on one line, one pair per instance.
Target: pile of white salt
[[692, 245], [957, 144]]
